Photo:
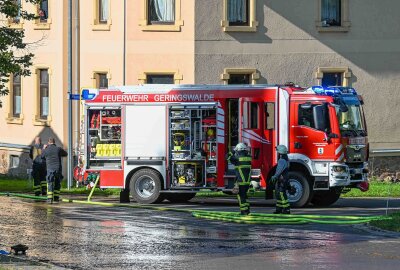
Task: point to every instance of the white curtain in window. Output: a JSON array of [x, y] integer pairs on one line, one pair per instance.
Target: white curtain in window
[[165, 10], [330, 10], [104, 10], [237, 10]]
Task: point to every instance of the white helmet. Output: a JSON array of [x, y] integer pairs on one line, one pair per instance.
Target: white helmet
[[282, 149], [241, 147]]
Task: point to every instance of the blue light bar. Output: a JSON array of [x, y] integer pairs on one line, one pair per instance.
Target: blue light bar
[[333, 90]]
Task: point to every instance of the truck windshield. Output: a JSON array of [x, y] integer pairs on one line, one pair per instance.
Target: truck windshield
[[352, 121]]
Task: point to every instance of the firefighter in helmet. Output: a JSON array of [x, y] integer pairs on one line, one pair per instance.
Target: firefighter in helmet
[[242, 161], [281, 181]]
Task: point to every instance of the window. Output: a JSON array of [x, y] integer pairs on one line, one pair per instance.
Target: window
[[306, 117], [43, 21], [239, 15], [16, 96], [43, 12], [16, 21], [333, 76], [157, 77], [240, 76], [43, 94], [239, 79], [269, 110], [161, 11], [101, 80], [333, 16], [331, 12], [14, 161], [161, 15], [160, 79], [103, 11], [332, 79], [250, 115], [238, 12]]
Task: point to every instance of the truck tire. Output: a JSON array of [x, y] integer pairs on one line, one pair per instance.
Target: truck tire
[[325, 197], [145, 186], [179, 197], [301, 186]]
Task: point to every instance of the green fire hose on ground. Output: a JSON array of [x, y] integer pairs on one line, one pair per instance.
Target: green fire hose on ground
[[254, 218]]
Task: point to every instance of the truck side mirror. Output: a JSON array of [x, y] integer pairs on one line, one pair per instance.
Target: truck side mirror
[[320, 113]]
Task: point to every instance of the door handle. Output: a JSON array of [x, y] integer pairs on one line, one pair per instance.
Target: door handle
[[297, 145]]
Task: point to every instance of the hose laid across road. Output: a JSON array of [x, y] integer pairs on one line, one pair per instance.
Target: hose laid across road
[[253, 218]]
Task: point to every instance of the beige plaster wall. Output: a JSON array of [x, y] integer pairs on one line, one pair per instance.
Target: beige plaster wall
[[49, 48], [159, 51], [288, 47]]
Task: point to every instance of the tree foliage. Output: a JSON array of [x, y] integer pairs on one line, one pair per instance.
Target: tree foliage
[[15, 57]]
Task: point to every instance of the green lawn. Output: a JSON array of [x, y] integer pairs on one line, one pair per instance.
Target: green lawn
[[390, 225]]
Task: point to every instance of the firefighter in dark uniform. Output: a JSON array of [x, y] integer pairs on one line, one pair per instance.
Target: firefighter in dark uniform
[[242, 161], [281, 181], [38, 168], [53, 154]]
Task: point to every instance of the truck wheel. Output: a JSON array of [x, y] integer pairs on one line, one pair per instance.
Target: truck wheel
[[325, 197], [180, 197], [301, 190], [145, 186]]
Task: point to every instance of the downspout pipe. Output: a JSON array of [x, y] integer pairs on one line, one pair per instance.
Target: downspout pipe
[[70, 154], [124, 49], [77, 78]]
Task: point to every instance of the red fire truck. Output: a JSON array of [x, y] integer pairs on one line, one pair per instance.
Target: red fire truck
[[169, 141]]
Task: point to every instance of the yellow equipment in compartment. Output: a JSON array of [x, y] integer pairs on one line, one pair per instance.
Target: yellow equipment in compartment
[[184, 177], [179, 141], [108, 150]]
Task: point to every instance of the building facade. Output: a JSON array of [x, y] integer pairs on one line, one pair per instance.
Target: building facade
[[308, 42]]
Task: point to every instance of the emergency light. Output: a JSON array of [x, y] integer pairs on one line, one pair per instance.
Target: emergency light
[[333, 90]]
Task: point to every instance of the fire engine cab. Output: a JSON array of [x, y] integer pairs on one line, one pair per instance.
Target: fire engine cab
[[169, 141]]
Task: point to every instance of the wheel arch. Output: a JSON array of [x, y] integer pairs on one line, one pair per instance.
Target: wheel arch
[[133, 171]]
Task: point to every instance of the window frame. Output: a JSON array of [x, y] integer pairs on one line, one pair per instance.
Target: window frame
[[142, 78], [319, 74], [44, 85], [38, 120], [97, 24], [96, 79], [252, 19], [10, 116], [344, 23], [11, 23], [145, 24], [254, 74], [43, 25]]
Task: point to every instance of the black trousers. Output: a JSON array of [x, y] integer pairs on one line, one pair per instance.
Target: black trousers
[[53, 185], [242, 197], [282, 203], [39, 179]]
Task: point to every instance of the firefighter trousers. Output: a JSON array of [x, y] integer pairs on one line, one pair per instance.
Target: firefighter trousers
[[282, 202], [39, 180], [53, 185], [244, 205]]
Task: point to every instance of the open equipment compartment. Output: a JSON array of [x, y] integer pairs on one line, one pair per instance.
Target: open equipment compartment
[[104, 138], [193, 145]]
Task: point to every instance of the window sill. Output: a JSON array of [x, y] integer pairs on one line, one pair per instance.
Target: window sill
[[161, 27], [239, 28], [42, 25], [16, 25], [344, 28], [97, 26], [41, 122], [15, 120]]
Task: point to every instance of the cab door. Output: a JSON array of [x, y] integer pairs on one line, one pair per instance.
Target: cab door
[[307, 138]]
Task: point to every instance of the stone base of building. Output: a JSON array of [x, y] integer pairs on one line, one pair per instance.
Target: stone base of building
[[385, 166]]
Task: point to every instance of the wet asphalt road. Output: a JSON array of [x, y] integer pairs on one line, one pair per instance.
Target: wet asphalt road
[[91, 237]]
